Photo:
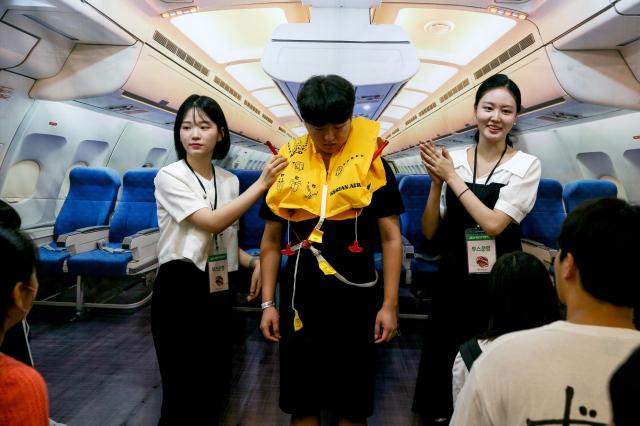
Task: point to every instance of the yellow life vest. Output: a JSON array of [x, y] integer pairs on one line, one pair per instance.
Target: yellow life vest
[[351, 179]]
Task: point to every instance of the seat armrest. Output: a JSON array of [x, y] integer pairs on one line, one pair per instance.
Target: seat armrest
[[427, 258], [143, 243], [147, 231], [41, 234], [93, 228], [408, 252], [84, 239], [539, 250], [38, 226]]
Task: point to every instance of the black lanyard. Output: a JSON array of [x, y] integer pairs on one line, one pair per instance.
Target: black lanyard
[[215, 185], [475, 166]]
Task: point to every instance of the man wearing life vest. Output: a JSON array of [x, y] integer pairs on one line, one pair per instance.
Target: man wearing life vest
[[329, 205]]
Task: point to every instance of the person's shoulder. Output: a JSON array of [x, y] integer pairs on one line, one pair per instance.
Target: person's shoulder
[[226, 175], [520, 340], [177, 167], [520, 163], [15, 371]]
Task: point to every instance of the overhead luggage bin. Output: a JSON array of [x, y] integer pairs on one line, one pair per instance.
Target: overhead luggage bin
[[377, 59]]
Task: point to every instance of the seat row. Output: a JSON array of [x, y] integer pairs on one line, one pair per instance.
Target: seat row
[[541, 228], [97, 235]]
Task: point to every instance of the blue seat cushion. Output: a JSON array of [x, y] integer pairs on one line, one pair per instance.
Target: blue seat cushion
[[377, 257], [423, 267], [100, 263], [51, 262]]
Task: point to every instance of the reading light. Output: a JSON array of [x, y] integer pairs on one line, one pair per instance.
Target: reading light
[[179, 12], [507, 12]]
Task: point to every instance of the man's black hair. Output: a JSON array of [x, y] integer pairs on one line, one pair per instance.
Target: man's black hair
[[326, 99], [603, 236]]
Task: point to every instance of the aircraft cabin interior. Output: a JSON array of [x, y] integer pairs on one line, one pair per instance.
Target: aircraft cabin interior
[[89, 91]]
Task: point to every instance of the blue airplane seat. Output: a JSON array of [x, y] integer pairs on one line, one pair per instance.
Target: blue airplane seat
[[135, 217], [377, 256], [251, 224], [544, 221], [541, 227], [420, 255], [576, 193], [90, 201]]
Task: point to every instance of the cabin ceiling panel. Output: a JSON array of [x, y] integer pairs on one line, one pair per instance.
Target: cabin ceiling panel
[[430, 77], [409, 98], [283, 111], [251, 76], [269, 97], [231, 35], [452, 36]]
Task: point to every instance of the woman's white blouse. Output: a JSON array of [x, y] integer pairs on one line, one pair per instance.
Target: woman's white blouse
[[520, 175], [178, 195]]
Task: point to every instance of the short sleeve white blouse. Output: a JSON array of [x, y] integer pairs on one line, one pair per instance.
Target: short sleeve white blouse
[[520, 176], [178, 195]]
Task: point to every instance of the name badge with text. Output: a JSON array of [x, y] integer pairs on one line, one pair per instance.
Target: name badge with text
[[481, 251], [218, 272]]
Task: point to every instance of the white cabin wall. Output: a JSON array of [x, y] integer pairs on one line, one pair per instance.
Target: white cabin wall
[[141, 145], [590, 150], [54, 137], [14, 104]]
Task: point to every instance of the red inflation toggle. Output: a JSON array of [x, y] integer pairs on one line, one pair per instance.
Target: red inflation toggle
[[355, 248], [287, 250]]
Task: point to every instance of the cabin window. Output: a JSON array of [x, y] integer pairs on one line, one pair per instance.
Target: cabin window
[[155, 157], [21, 181], [595, 164]]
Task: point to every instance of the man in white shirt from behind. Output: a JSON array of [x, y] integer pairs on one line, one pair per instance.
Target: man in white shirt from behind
[[559, 374]]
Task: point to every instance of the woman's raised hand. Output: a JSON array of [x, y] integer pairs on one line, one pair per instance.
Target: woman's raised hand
[[428, 151], [271, 171]]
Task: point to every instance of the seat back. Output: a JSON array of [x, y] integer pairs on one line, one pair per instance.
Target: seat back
[[576, 193], [544, 221], [251, 224], [91, 198], [414, 190], [136, 209]]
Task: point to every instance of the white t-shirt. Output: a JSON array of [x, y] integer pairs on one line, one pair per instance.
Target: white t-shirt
[[178, 195], [546, 375], [520, 175]]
